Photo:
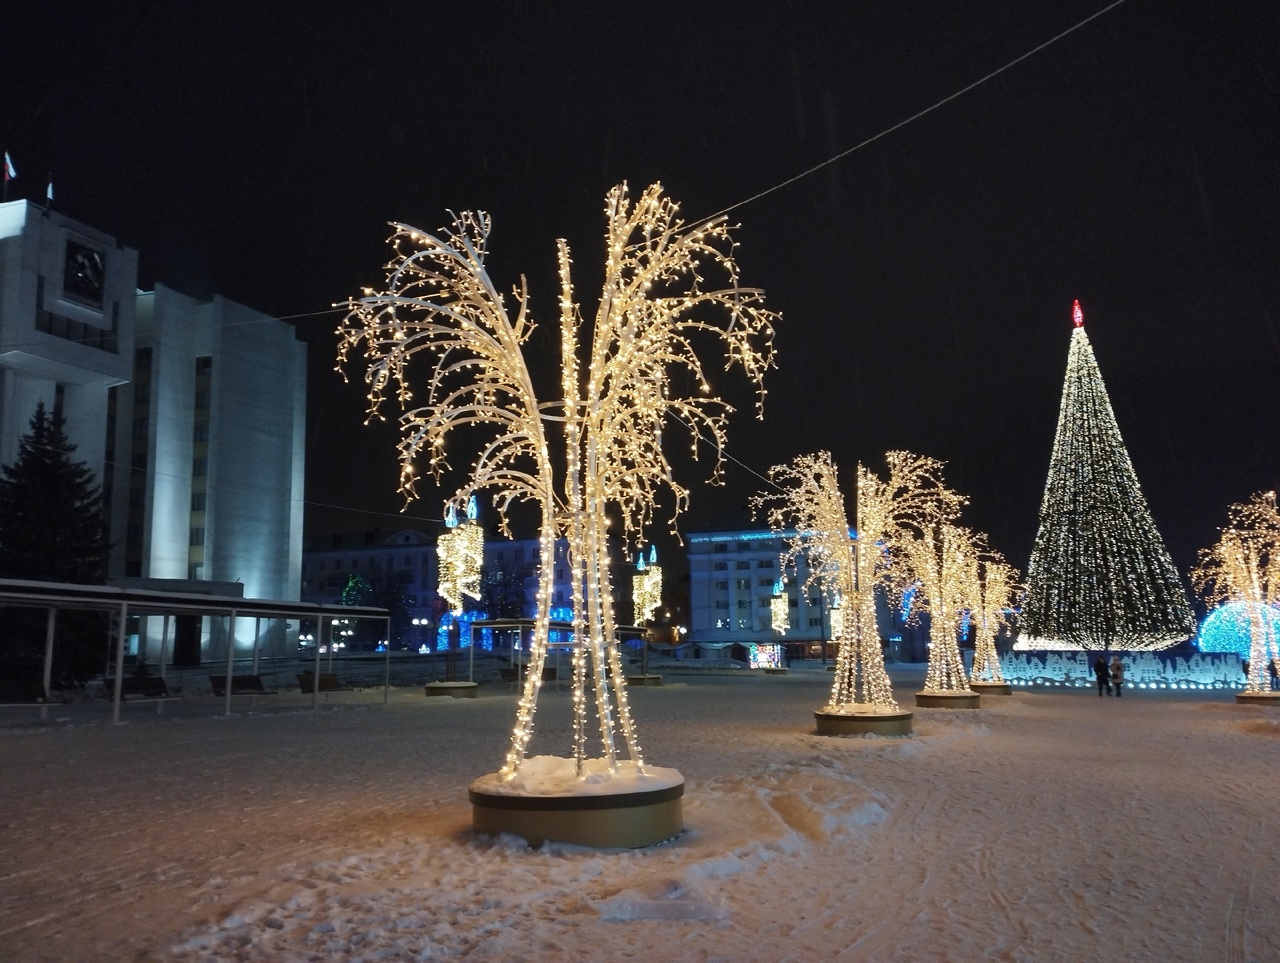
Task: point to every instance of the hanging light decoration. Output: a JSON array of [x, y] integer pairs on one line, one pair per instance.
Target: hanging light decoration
[[460, 551], [646, 587], [780, 608]]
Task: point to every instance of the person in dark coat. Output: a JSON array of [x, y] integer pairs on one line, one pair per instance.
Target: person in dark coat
[[1104, 677]]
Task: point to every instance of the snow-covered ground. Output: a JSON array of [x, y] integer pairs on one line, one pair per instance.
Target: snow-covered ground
[[1044, 826]]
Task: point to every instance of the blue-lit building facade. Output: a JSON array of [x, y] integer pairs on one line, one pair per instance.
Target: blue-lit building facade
[[405, 563], [189, 412]]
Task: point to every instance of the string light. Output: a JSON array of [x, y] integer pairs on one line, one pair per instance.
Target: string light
[[992, 596], [646, 587], [460, 551], [780, 608], [1244, 568], [440, 307], [1100, 576]]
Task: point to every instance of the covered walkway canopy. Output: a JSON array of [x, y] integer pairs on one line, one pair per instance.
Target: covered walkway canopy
[[125, 601]]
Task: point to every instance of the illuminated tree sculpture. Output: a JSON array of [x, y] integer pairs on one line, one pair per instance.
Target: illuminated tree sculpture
[[1100, 577], [944, 560], [808, 503], [618, 394], [995, 592], [1244, 568]]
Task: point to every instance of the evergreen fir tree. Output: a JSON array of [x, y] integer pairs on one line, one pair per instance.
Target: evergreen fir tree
[[1100, 576], [51, 518], [51, 530]]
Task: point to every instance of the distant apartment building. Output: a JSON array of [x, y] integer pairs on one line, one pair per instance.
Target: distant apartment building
[[733, 577], [190, 413]]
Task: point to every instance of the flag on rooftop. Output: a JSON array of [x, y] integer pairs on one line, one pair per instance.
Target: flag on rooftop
[[48, 191], [10, 172]]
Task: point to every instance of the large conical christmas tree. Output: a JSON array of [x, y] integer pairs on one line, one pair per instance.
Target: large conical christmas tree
[[1100, 577]]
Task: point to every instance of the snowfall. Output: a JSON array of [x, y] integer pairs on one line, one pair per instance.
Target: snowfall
[[1046, 825]]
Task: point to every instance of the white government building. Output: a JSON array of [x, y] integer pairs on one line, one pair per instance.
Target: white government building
[[191, 415]]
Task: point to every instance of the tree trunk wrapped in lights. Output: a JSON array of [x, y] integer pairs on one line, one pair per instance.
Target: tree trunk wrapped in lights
[[1244, 567], [996, 591], [618, 394], [1100, 576]]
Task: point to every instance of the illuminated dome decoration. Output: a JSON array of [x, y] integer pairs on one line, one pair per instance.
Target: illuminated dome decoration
[[1100, 576], [1226, 629]]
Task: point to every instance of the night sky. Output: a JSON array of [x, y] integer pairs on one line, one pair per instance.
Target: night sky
[[925, 279]]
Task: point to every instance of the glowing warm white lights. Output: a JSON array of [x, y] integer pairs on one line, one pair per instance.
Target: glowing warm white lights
[[441, 309], [1100, 577], [996, 590], [646, 587], [808, 502], [460, 551], [1244, 568]]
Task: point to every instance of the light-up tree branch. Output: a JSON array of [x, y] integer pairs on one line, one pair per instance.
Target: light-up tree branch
[[653, 318], [1244, 567]]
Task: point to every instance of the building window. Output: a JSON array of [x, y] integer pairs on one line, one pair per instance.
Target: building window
[[721, 547], [723, 584], [744, 583], [765, 563], [744, 603], [197, 536], [199, 467], [722, 566], [742, 563], [722, 603], [814, 621], [198, 501]]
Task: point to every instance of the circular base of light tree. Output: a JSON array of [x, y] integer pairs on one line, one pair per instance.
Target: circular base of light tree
[[862, 723], [620, 820], [1259, 698], [928, 699], [458, 690], [644, 680], [991, 688]]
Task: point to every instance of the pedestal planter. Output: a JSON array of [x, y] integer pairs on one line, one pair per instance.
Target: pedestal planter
[[991, 688], [927, 699], [644, 680], [834, 723], [1259, 698], [458, 690], [647, 811]]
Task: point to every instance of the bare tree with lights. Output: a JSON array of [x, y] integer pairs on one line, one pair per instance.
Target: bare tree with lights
[[1100, 576], [995, 592], [441, 308], [1244, 567], [943, 560], [808, 503]]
